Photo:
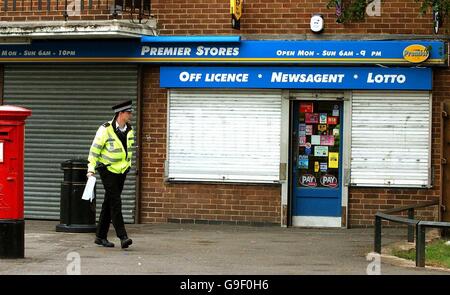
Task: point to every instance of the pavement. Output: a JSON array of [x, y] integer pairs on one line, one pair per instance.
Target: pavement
[[194, 249]]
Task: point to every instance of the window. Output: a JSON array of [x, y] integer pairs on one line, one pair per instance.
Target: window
[[222, 135], [391, 139]]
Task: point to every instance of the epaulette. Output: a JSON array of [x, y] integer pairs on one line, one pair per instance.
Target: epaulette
[[106, 124]]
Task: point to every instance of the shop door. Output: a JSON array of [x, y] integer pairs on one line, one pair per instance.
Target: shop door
[[316, 163]]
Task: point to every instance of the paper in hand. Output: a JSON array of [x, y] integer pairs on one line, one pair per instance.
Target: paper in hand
[[88, 193]]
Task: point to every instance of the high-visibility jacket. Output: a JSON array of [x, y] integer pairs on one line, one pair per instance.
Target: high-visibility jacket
[[107, 148]]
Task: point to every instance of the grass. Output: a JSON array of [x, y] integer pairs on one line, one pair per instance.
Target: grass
[[436, 254]]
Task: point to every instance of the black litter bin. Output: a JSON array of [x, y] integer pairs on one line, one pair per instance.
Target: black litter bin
[[76, 215]]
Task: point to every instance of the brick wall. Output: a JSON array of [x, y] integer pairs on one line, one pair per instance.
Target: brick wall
[[182, 17], [364, 203], [188, 202], [274, 17]]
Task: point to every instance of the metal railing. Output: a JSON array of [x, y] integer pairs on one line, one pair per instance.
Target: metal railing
[[136, 9], [414, 226]]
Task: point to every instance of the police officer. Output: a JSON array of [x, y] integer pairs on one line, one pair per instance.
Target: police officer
[[110, 156]]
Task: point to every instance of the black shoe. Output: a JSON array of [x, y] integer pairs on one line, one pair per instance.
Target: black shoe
[[103, 242], [125, 242]]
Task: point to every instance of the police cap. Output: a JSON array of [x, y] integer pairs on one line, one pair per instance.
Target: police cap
[[122, 107]]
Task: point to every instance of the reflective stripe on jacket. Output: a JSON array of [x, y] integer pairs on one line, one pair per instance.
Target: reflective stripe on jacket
[[107, 148]]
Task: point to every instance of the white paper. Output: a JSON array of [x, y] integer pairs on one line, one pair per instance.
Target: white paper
[[315, 139], [1, 152], [88, 193]]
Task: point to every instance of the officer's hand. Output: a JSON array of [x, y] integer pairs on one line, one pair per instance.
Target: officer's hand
[[89, 174]]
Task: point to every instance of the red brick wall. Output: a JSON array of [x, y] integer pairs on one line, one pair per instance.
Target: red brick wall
[[274, 17], [364, 203], [179, 202]]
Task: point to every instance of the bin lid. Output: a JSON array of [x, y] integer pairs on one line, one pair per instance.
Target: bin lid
[[74, 163]]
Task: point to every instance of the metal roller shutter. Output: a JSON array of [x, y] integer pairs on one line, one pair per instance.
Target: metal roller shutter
[[221, 135], [69, 103], [391, 139]]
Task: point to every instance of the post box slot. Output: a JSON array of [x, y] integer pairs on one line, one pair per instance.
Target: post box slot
[[5, 133]]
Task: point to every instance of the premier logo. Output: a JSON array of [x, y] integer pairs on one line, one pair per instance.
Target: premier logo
[[416, 53]]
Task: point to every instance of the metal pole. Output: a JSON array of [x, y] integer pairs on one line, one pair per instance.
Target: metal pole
[[420, 245], [411, 227], [377, 246]]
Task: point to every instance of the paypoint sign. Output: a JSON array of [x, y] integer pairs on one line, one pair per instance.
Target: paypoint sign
[[236, 13]]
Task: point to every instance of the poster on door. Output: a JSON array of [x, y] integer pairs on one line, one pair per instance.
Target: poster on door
[[321, 151], [333, 160], [312, 118], [327, 140], [303, 162], [306, 107]]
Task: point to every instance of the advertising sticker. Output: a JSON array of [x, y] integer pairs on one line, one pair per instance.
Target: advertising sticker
[[312, 118], [308, 180], [333, 160], [306, 107], [321, 151], [329, 180]]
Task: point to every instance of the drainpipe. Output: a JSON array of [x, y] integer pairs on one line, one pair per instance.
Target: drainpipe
[[139, 143]]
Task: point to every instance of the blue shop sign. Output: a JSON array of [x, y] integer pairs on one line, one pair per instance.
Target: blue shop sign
[[297, 78], [405, 53], [302, 52]]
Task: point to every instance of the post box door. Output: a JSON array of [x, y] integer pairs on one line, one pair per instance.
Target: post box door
[[10, 203]]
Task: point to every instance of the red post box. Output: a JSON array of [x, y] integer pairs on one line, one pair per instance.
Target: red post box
[[12, 123]]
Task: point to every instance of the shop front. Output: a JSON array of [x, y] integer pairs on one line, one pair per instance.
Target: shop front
[[262, 131], [322, 131]]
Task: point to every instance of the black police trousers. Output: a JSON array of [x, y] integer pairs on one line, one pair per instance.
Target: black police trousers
[[112, 204]]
